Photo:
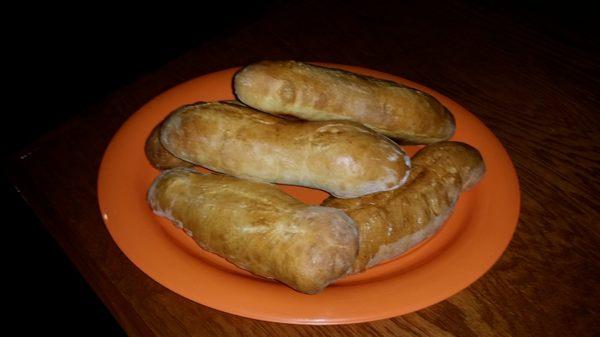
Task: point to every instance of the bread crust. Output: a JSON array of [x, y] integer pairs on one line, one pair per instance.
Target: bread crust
[[343, 158], [318, 93], [390, 223], [258, 227], [158, 156]]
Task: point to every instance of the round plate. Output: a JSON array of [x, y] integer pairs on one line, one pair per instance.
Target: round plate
[[467, 245]]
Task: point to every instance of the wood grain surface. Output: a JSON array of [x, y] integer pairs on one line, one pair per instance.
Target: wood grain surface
[[538, 94]]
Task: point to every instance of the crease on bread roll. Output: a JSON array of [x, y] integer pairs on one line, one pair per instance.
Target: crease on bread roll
[[258, 227], [343, 158], [318, 93], [158, 156], [390, 223]]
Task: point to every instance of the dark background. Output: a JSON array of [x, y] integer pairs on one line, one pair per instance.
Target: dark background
[[62, 61]]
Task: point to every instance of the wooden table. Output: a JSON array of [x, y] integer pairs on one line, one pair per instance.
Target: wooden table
[[537, 93]]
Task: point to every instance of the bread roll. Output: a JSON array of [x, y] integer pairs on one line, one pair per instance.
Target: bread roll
[[158, 156], [318, 93], [341, 157], [258, 227], [390, 223]]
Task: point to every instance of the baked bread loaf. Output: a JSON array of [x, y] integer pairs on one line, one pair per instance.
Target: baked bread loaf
[[317, 93], [158, 156], [343, 158], [390, 223], [258, 227]]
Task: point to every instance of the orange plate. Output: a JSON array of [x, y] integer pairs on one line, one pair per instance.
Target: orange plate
[[468, 244]]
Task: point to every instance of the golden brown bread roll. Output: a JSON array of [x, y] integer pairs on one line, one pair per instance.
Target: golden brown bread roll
[[343, 158], [258, 227], [318, 93], [158, 156], [390, 223]]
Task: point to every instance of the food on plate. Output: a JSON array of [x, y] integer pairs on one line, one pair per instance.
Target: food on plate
[[382, 204], [390, 223], [258, 227], [158, 156], [343, 158], [318, 93]]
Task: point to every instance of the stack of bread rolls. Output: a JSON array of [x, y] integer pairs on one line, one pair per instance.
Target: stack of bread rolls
[[382, 203]]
